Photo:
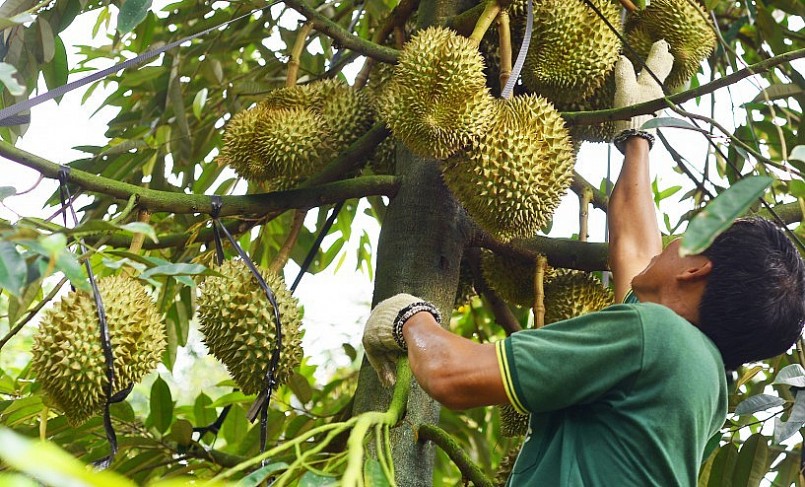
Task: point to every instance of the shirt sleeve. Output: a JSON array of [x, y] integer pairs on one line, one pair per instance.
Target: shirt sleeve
[[571, 362], [630, 298]]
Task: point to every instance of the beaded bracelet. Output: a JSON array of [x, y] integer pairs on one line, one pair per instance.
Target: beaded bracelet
[[407, 312], [620, 140]]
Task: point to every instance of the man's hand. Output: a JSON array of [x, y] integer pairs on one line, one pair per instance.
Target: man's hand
[[382, 349], [631, 89]]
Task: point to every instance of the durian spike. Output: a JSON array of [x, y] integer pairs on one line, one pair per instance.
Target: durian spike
[[293, 235], [296, 54], [585, 197], [490, 13], [505, 47], [539, 291]]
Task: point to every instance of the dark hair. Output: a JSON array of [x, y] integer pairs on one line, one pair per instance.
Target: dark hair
[[753, 306]]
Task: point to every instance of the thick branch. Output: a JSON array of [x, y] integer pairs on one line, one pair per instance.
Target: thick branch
[[561, 252], [342, 36], [598, 116], [469, 469], [579, 185]]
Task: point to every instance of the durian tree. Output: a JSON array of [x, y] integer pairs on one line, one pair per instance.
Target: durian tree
[[325, 109]]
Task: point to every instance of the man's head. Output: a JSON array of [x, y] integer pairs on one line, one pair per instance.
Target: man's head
[[753, 305]]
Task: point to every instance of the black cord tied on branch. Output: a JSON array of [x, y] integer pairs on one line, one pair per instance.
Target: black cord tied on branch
[[106, 343], [260, 405]]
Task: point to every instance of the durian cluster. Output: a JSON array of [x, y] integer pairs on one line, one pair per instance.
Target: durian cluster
[[68, 360], [292, 133], [239, 328]]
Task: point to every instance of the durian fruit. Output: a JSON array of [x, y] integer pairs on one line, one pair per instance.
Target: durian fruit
[[238, 325], [602, 98], [506, 466], [466, 286], [512, 178], [572, 50], [511, 278], [437, 101], [292, 133], [68, 359], [574, 293], [512, 422], [686, 27], [384, 158]]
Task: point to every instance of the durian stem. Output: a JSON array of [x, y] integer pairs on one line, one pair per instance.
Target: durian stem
[[503, 315], [126, 211], [296, 54], [143, 216], [579, 185], [399, 36], [285, 252], [539, 292], [397, 17], [628, 5], [441, 438], [505, 49], [43, 423], [490, 13], [585, 198]]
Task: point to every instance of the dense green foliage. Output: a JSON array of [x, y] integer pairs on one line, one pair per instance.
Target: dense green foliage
[[163, 142]]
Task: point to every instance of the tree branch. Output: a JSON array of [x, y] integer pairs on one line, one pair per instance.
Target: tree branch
[[561, 252], [469, 469], [598, 116], [579, 185], [343, 36]]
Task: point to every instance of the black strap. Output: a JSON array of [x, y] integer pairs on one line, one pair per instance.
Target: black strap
[[315, 247], [106, 344], [7, 113]]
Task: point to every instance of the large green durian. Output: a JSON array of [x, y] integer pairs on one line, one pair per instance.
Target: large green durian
[[511, 179], [68, 359], [574, 293], [686, 27], [238, 325], [512, 278], [437, 101], [572, 50]]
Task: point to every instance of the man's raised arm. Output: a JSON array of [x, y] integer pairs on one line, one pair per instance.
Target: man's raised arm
[[634, 232]]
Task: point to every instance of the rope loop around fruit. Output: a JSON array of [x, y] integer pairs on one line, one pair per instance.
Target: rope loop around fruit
[[106, 343]]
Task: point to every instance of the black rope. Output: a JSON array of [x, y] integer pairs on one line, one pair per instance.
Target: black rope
[[106, 344], [695, 123], [316, 244]]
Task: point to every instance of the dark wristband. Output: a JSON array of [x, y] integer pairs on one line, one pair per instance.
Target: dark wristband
[[405, 314], [620, 140]]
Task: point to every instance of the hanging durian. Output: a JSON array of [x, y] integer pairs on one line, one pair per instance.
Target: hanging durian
[[686, 27], [437, 101], [572, 50], [511, 278], [68, 359], [574, 293], [238, 325], [511, 179]]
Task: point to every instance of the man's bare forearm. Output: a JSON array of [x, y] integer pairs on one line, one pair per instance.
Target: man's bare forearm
[[634, 232]]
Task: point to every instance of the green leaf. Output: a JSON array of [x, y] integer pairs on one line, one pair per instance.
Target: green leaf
[[55, 72], [12, 268], [672, 122], [752, 463], [161, 403], [47, 43], [22, 18], [792, 375], [235, 397], [51, 465], [300, 387], [174, 270], [778, 91], [141, 227], [786, 429], [131, 14], [258, 476], [310, 479], [797, 153], [7, 73], [199, 101], [202, 412], [723, 466], [182, 432], [6, 191], [373, 474], [719, 214], [759, 402]]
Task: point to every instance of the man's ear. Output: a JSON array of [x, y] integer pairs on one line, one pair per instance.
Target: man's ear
[[697, 267]]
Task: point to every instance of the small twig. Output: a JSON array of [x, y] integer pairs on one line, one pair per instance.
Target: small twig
[[628, 5], [505, 47], [16, 329], [539, 291], [396, 18], [143, 216], [285, 252], [490, 13], [578, 185], [503, 315], [296, 54]]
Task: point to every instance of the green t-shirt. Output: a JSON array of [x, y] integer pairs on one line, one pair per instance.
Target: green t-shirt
[[627, 396]]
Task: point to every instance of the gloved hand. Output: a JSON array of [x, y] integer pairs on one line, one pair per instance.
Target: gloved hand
[[631, 89], [382, 348]]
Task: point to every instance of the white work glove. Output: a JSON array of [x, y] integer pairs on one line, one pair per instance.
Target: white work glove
[[386, 320], [631, 89]]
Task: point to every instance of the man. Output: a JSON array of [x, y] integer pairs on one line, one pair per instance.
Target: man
[[630, 395]]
